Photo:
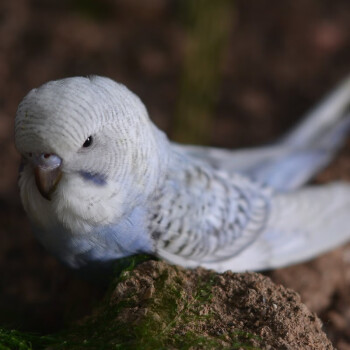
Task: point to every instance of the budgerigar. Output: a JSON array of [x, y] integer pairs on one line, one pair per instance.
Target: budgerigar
[[100, 181]]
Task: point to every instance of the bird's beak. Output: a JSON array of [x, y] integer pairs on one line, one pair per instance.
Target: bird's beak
[[47, 174]]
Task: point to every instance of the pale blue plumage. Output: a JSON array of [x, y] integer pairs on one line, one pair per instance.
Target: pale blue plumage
[[108, 184], [127, 237]]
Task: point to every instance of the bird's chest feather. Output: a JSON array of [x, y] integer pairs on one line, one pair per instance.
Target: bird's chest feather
[[100, 244], [79, 227]]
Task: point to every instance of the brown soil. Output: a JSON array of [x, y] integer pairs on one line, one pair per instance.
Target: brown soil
[[282, 57]]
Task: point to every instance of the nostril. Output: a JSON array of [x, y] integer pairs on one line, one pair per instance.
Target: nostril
[[30, 154], [48, 160]]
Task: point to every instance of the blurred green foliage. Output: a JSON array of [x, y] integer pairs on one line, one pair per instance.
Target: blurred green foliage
[[208, 23], [93, 9]]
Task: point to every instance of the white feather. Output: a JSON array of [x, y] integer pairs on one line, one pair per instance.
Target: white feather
[[185, 204]]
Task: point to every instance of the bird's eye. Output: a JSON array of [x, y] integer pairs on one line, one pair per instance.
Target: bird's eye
[[88, 142]]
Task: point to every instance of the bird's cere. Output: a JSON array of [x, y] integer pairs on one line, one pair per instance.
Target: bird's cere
[[100, 181]]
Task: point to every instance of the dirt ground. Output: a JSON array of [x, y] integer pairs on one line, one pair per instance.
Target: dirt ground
[[282, 57]]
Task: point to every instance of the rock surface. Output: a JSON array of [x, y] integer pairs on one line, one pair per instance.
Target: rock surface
[[158, 306]]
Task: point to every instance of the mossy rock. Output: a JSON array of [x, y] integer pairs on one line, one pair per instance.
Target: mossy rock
[[158, 306]]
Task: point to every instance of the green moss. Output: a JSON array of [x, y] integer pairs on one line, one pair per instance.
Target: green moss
[[125, 265], [16, 340], [169, 309], [174, 316]]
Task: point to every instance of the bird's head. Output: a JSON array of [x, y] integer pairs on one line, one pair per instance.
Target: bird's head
[[88, 132]]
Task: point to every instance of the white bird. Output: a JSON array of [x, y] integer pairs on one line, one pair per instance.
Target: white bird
[[100, 181]]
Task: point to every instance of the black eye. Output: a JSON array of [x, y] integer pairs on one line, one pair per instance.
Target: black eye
[[88, 142]]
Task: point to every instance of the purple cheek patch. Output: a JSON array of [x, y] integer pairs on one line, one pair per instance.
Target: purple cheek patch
[[96, 178]]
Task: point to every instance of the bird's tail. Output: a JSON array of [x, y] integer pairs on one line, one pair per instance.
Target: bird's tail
[[302, 225], [297, 157], [323, 119], [311, 145]]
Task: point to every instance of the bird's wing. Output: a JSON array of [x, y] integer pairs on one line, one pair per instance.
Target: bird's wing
[[301, 225], [208, 217]]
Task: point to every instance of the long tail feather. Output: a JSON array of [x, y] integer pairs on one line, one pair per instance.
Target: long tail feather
[[317, 122], [297, 157], [299, 165]]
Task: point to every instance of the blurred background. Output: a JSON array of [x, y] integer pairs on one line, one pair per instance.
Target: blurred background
[[225, 73]]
